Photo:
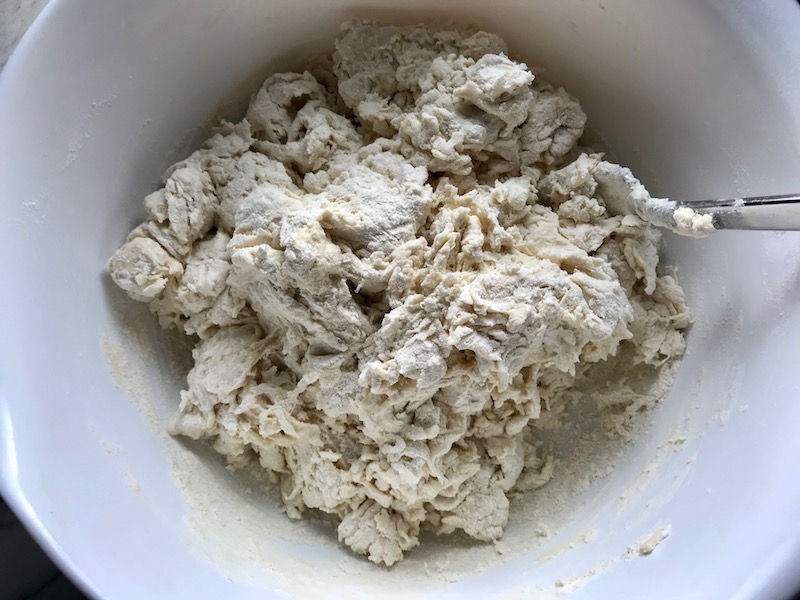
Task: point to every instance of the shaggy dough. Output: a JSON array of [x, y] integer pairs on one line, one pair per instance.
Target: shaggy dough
[[398, 267]]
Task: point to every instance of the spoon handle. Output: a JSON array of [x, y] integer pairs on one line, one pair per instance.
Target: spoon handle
[[780, 213]]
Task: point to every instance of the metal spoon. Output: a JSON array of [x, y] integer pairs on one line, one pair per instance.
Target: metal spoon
[[780, 213], [624, 194]]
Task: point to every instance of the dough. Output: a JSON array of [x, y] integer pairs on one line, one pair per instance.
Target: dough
[[399, 267], [625, 195]]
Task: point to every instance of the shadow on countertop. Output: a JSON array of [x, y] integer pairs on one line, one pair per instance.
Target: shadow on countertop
[[26, 573]]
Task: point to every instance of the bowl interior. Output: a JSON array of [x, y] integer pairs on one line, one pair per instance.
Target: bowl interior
[[702, 100]]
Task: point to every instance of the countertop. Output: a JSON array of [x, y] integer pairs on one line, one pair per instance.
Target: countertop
[[15, 18]]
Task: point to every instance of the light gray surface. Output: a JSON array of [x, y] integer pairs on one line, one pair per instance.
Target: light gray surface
[[15, 18]]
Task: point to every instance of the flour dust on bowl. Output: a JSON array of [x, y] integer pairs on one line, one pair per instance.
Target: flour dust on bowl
[[130, 511]]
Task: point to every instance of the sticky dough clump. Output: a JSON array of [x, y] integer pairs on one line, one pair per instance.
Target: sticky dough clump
[[399, 266]]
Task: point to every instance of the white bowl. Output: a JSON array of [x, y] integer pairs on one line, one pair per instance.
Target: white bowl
[[701, 99]]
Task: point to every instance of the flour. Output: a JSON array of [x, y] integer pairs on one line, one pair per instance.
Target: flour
[[402, 270], [648, 544]]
